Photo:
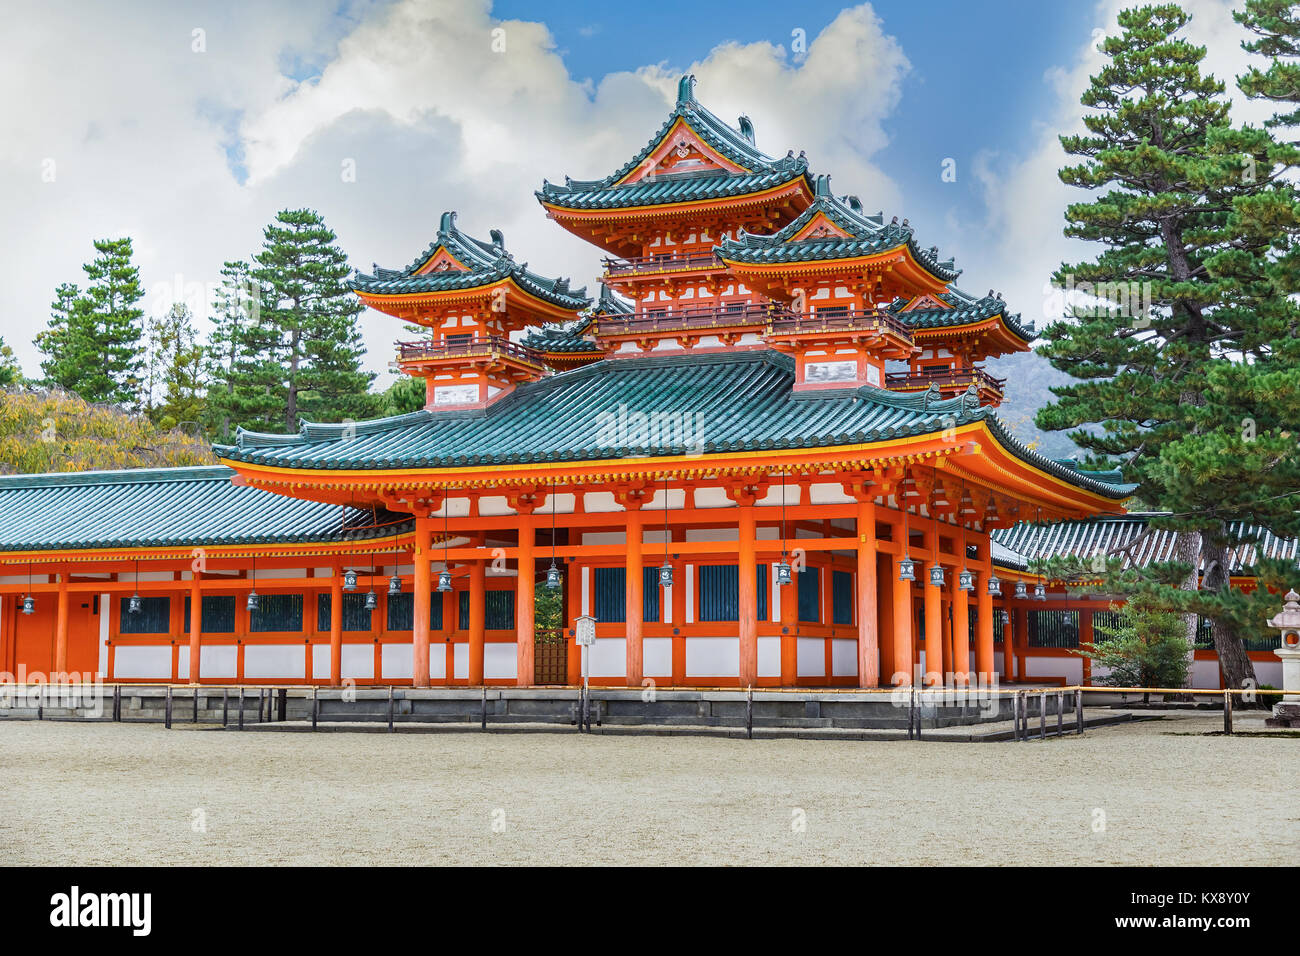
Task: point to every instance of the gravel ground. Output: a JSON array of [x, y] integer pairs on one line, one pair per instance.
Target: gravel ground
[[1160, 792]]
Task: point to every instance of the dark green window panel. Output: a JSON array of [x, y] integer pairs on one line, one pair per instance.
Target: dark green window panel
[[217, 613], [355, 615], [462, 608], [154, 616], [609, 600], [719, 592], [810, 609], [278, 612], [499, 610], [1053, 628], [841, 597], [401, 611]]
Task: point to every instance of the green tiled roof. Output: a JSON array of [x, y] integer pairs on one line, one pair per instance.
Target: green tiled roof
[[966, 309], [556, 338], [487, 261], [1127, 537], [724, 402], [162, 507], [867, 235], [760, 170]]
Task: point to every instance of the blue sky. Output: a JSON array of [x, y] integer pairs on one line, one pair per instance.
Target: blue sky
[[190, 148]]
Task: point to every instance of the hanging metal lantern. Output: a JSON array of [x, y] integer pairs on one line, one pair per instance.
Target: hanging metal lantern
[[666, 575], [784, 574], [395, 585], [554, 578], [995, 586], [966, 580], [907, 569], [29, 605], [252, 600], [444, 580], [349, 580], [372, 600], [133, 605], [1021, 592], [936, 576], [1040, 592]]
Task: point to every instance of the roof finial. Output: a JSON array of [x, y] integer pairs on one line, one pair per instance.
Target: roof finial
[[823, 185], [498, 238], [448, 222], [686, 90], [746, 128]]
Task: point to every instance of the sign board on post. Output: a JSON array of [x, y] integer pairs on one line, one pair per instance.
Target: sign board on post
[[586, 631], [585, 635]]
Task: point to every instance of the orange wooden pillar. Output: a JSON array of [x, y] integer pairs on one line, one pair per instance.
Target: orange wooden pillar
[[336, 627], [1086, 636], [524, 602], [885, 616], [868, 625], [961, 637], [789, 627], [748, 574], [421, 602], [61, 629], [933, 611], [1008, 642], [1022, 641], [196, 625], [634, 592], [984, 633], [477, 620], [903, 642]]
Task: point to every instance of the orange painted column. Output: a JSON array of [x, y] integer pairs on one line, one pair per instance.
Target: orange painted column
[[634, 594], [885, 617], [336, 627], [984, 634], [1022, 640], [477, 620], [1086, 636], [524, 603], [904, 644], [422, 601], [61, 627], [789, 625], [1008, 643], [196, 625], [868, 625], [748, 573], [961, 636], [933, 612]]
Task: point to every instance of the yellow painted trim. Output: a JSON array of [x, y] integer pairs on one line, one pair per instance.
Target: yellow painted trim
[[704, 147]]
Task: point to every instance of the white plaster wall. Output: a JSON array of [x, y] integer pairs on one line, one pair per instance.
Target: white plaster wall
[[358, 661], [844, 658], [460, 662], [500, 661], [712, 498], [810, 657], [273, 660], [1071, 668], [608, 657], [713, 657], [146, 662], [828, 494], [712, 534], [494, 505], [270, 573], [769, 657], [601, 502], [657, 656], [221, 661], [395, 660], [604, 537], [690, 596], [320, 661]]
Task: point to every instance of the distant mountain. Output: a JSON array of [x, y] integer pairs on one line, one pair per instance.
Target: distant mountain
[[1029, 377]]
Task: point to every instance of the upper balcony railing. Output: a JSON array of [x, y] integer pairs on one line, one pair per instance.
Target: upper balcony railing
[[661, 262], [683, 320], [944, 378], [466, 347], [841, 319]]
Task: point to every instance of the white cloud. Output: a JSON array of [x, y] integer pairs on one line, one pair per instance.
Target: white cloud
[[143, 131]]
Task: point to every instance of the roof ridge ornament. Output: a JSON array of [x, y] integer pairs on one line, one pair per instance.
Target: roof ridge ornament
[[746, 128], [686, 90], [447, 223]]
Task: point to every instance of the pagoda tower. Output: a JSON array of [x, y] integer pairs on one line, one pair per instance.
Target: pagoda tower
[[470, 295], [662, 214]]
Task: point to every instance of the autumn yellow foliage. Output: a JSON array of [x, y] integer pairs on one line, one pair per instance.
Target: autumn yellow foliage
[[42, 431]]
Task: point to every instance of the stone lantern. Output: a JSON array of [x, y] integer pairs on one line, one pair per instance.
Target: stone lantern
[[1286, 712]]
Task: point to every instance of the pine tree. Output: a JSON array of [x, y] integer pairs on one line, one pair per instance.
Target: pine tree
[[236, 307], [302, 356], [1277, 24], [1160, 143], [178, 358], [92, 343], [52, 342], [11, 372]]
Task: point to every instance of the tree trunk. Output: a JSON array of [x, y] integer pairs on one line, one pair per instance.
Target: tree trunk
[[1187, 549], [1238, 669]]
